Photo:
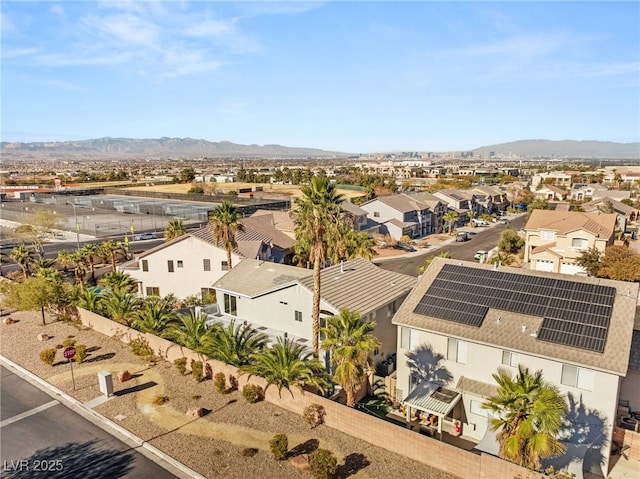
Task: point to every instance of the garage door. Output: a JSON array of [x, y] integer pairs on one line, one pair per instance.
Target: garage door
[[571, 268], [544, 265]]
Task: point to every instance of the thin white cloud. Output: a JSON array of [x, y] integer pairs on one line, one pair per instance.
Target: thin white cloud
[[519, 46], [126, 28], [18, 52], [63, 85], [211, 28], [57, 10]]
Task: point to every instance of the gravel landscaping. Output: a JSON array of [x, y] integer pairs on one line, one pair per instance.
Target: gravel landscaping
[[216, 445]]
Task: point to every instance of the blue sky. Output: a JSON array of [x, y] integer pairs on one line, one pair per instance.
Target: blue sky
[[343, 76]]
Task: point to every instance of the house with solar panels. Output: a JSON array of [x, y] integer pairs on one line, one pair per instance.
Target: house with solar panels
[[464, 320]]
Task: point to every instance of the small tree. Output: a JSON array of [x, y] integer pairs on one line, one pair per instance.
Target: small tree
[[220, 383], [510, 241], [181, 365], [197, 369], [590, 260], [252, 393], [279, 446], [322, 464]]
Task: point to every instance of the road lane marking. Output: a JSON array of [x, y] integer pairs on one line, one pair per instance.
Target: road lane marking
[[28, 413]]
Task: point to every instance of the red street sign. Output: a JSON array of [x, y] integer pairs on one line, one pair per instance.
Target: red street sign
[[69, 352]]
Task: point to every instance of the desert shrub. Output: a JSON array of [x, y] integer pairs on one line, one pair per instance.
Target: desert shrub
[[220, 382], [248, 451], [160, 399], [140, 347], [48, 355], [196, 369], [405, 239], [322, 464], [279, 446], [313, 414], [181, 365], [68, 342], [252, 393], [81, 353], [59, 346], [233, 381]]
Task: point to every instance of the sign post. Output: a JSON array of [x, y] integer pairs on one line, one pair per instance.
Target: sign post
[[69, 353]]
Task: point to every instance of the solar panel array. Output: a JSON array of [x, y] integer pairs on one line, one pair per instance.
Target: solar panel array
[[575, 314]]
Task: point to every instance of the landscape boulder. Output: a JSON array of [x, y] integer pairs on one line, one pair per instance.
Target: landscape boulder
[[43, 337], [197, 412], [300, 463], [124, 376], [8, 320]]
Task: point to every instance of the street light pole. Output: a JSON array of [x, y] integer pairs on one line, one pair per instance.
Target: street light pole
[[75, 216]]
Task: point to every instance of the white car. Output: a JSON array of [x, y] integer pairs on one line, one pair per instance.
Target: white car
[[144, 236], [479, 222]]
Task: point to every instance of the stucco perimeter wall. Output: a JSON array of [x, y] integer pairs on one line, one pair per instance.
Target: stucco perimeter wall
[[405, 442]]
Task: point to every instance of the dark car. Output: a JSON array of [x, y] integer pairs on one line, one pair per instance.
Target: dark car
[[405, 246], [462, 236]]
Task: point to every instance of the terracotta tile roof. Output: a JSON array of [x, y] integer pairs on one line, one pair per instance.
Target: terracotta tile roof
[[503, 329], [617, 205], [601, 225], [546, 247]]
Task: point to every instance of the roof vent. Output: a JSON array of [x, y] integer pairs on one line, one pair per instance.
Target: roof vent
[[498, 320], [524, 328], [534, 334]]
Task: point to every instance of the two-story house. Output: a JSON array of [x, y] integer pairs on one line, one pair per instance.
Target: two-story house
[[554, 239], [494, 198], [465, 320], [550, 193], [190, 264], [594, 191], [625, 213], [277, 299], [357, 218], [460, 201], [437, 207], [399, 215]]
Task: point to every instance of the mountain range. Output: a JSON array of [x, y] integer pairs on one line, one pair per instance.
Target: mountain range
[[131, 148]]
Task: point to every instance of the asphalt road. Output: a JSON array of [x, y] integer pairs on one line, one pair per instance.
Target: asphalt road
[[482, 238], [42, 438]]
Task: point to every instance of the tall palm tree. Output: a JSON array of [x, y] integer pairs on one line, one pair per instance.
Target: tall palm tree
[[234, 344], [450, 217], [349, 340], [24, 257], [121, 305], [174, 229], [117, 280], [155, 317], [81, 263], [315, 214], [528, 415], [471, 214], [91, 250], [89, 299], [110, 250], [190, 331], [286, 364], [64, 258], [225, 225]]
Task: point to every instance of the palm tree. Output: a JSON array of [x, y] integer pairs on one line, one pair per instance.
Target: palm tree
[[24, 257], [428, 261], [528, 415], [286, 364], [471, 214], [234, 344], [90, 250], [190, 331], [225, 224], [121, 305], [450, 217], [315, 214], [89, 299], [117, 280], [64, 258], [174, 229], [349, 340], [81, 263], [155, 317], [110, 250]]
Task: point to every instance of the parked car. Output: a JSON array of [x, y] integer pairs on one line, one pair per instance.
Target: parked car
[[144, 236], [462, 236], [481, 255], [405, 246], [479, 222]]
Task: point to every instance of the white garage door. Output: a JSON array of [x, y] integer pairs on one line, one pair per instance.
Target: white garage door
[[571, 268], [544, 265]]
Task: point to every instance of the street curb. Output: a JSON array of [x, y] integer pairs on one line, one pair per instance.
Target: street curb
[[101, 421]]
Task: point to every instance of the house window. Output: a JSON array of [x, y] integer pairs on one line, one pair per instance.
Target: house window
[[206, 263], [547, 235], [298, 316], [230, 305], [376, 214], [391, 308], [576, 377], [145, 265], [170, 265], [180, 264], [510, 359], [476, 408], [457, 351], [153, 291], [579, 243], [405, 338], [224, 265]]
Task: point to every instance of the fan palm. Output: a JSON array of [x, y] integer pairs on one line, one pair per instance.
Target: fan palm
[[155, 317], [91, 250], [225, 224], [314, 215], [190, 331], [174, 229], [450, 217], [286, 364], [90, 299], [234, 344], [349, 340], [24, 257], [121, 305], [117, 280], [110, 250], [528, 415]]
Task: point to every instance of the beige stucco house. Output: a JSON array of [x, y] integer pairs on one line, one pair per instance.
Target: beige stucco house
[[555, 239]]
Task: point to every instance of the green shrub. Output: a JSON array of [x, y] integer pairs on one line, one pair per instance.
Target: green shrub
[[47, 356], [279, 446], [81, 353], [220, 382], [252, 393], [140, 347], [196, 370], [322, 464], [160, 399], [68, 342], [181, 365]]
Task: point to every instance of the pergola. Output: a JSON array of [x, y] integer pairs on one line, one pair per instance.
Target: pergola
[[433, 398]]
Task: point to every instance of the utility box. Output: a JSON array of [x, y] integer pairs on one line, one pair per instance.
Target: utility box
[[105, 380]]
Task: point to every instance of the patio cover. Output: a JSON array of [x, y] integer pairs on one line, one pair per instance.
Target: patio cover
[[432, 397]]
